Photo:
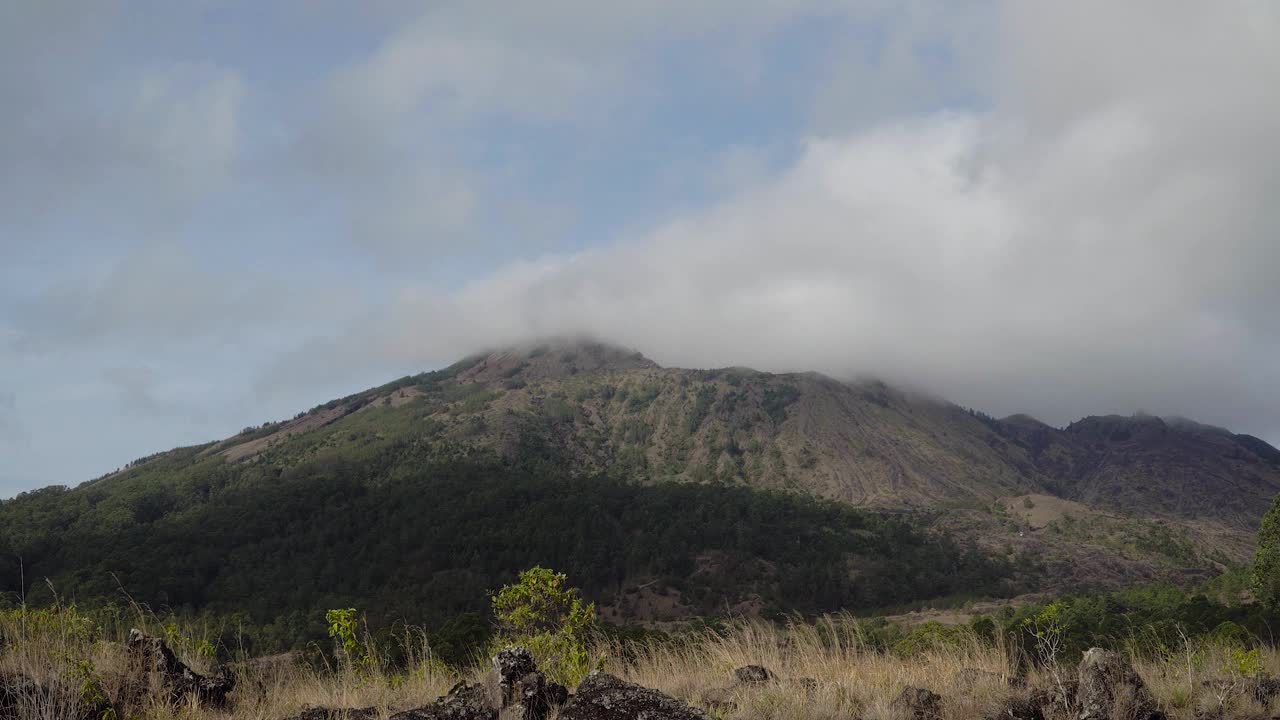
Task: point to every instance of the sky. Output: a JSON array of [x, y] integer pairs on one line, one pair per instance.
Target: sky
[[215, 214]]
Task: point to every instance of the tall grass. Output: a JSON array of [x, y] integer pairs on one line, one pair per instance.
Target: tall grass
[[825, 669]]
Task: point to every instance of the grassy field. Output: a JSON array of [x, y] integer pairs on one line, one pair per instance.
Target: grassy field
[[823, 670]]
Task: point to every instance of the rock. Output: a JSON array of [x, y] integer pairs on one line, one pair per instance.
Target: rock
[[463, 702], [605, 697], [753, 675], [915, 703], [1110, 687], [526, 693], [149, 656], [1017, 709], [512, 663]]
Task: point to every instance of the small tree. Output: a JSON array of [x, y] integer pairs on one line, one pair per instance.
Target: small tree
[[545, 615], [1266, 561]]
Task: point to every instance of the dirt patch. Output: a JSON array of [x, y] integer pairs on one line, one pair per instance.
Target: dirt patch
[[1039, 511], [306, 423]]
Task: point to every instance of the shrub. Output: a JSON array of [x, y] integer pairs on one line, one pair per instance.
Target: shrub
[[543, 614], [1266, 561]]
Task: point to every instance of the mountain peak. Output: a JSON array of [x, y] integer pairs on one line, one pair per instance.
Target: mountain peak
[[552, 358]]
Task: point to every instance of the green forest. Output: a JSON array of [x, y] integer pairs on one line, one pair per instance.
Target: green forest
[[428, 548]]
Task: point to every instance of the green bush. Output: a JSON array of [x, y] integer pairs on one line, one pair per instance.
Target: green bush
[[543, 614], [1266, 561]]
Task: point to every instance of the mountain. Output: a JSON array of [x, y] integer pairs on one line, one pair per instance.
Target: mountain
[[665, 492], [1154, 466]]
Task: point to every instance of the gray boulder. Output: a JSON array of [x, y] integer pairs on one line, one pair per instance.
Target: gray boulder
[[915, 703], [1109, 687], [526, 693], [605, 697], [150, 659], [463, 702], [753, 675]]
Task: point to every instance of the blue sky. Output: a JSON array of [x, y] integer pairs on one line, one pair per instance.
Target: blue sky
[[218, 213]]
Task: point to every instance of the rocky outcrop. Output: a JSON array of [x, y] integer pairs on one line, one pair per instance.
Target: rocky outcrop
[[605, 697], [463, 702], [915, 703], [1109, 687], [526, 694], [150, 660], [337, 714]]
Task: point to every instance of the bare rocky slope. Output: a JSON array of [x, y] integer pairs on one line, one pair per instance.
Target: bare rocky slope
[[862, 442]]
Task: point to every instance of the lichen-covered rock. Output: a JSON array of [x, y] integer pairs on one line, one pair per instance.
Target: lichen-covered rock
[[463, 702], [526, 693], [512, 663], [1109, 687], [753, 675], [915, 703], [605, 697], [150, 657]]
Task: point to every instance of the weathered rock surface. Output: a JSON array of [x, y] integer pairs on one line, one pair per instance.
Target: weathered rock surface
[[753, 675], [915, 703], [526, 693], [337, 714], [150, 658], [605, 697], [463, 702], [1109, 687]]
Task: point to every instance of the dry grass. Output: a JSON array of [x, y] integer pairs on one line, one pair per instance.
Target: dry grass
[[824, 670]]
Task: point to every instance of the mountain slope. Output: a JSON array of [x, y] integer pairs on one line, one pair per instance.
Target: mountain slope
[[391, 498], [1154, 466]]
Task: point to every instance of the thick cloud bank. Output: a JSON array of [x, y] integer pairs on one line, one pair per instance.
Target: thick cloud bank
[[1104, 237], [1024, 206]]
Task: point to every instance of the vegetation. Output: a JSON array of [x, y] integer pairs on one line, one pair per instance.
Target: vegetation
[[541, 613], [274, 552], [1266, 563], [849, 669]]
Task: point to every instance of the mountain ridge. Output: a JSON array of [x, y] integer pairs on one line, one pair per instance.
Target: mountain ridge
[[484, 451], [863, 442]]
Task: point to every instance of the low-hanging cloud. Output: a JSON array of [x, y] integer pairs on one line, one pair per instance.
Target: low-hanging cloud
[[1056, 208], [1108, 246]]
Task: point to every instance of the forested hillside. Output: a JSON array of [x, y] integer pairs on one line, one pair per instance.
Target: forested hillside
[[667, 494]]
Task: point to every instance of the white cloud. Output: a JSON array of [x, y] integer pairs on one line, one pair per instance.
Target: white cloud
[[1095, 241]]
